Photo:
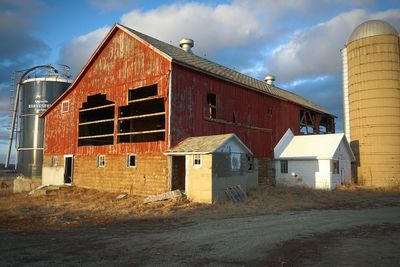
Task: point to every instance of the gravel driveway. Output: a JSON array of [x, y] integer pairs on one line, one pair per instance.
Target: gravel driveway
[[242, 241]]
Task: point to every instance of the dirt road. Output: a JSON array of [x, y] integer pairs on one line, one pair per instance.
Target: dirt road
[[265, 240]]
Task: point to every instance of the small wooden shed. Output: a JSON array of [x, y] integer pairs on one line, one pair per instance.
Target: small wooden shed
[[317, 161], [207, 165]]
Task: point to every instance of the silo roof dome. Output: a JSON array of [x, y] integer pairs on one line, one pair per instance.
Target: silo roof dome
[[372, 28]]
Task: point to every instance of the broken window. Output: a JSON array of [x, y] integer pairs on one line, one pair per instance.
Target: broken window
[[131, 160], [197, 160], [284, 166], [269, 112], [143, 119], [250, 162], [96, 122], [212, 105], [335, 167], [143, 92], [307, 122], [101, 161], [235, 161]]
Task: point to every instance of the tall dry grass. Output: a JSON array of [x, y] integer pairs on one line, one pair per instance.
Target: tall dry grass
[[72, 206]]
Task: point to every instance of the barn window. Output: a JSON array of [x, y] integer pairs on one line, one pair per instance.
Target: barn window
[[335, 167], [101, 161], [284, 166], [212, 105], [197, 160], [65, 106], [142, 92], [96, 121], [269, 112], [131, 160], [143, 119]]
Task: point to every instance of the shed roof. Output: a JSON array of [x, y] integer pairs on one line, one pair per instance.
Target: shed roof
[[322, 146], [182, 57], [202, 144]]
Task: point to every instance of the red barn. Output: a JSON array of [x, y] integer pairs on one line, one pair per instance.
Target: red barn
[[137, 97]]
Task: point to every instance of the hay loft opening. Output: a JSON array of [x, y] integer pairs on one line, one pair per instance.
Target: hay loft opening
[[96, 121], [143, 119]]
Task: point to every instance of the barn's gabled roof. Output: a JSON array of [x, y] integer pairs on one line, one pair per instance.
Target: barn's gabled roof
[[203, 144], [195, 62], [318, 146], [179, 56]]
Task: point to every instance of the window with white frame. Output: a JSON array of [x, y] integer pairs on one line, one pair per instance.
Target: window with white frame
[[197, 160], [65, 106], [131, 160], [284, 166], [101, 161]]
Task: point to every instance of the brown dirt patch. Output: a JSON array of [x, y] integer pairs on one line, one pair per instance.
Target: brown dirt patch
[[72, 206], [313, 250]]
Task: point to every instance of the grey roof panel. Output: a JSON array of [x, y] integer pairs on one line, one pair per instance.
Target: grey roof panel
[[179, 56], [200, 144]]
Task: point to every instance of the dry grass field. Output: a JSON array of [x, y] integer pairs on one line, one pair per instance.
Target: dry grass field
[[72, 206]]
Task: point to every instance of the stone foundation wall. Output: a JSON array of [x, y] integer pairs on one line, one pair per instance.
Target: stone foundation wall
[[150, 176]]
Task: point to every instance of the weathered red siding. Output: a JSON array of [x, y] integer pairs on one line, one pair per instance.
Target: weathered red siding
[[123, 63], [258, 130]]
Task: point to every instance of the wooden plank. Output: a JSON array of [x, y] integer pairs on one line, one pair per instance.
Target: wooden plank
[[95, 136], [142, 116], [164, 196], [94, 122], [237, 124], [142, 132], [99, 107], [236, 194], [145, 99]]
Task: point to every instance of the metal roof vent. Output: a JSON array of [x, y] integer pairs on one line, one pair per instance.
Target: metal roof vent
[[187, 44], [269, 79]]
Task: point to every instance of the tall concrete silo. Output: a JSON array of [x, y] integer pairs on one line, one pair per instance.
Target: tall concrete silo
[[371, 102], [37, 89]]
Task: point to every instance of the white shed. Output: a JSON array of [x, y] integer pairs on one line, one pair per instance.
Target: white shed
[[317, 161], [205, 166]]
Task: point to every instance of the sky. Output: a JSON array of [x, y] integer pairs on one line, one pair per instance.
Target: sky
[[298, 41]]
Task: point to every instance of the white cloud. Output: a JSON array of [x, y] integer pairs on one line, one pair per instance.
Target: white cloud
[[316, 50], [77, 52], [212, 28]]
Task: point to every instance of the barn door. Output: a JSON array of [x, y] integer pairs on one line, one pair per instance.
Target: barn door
[[68, 169]]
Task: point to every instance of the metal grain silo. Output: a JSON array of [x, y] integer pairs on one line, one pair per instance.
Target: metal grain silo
[[37, 89], [371, 102]]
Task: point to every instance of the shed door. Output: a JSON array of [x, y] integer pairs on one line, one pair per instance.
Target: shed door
[[178, 173]]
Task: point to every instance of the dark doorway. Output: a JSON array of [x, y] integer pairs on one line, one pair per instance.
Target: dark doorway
[[178, 173], [68, 167]]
